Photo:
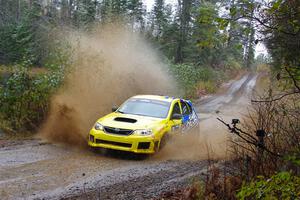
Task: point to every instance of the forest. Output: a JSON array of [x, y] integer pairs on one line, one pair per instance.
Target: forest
[[203, 43], [187, 32]]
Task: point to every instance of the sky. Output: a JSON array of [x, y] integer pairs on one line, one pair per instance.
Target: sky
[[150, 3], [260, 48]]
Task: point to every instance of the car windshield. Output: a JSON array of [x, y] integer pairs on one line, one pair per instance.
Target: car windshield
[[145, 107]]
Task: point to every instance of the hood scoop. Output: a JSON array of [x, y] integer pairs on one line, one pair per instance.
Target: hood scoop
[[124, 119]]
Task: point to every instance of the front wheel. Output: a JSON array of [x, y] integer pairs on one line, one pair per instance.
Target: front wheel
[[163, 141]]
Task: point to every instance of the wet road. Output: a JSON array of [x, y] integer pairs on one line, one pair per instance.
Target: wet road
[[32, 169], [237, 88]]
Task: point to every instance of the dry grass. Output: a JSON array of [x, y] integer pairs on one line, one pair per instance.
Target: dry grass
[[281, 122]]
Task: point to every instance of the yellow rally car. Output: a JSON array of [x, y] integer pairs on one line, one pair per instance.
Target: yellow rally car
[[142, 123]]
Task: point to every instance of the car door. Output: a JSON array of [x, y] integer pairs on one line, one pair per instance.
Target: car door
[[186, 111], [190, 117], [175, 124]]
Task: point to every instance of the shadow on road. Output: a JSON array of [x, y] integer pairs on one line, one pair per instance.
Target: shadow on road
[[119, 154]]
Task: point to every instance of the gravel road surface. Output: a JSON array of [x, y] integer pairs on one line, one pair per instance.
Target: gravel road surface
[[33, 169]]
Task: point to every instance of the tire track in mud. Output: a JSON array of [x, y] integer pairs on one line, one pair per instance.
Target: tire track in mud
[[238, 88]]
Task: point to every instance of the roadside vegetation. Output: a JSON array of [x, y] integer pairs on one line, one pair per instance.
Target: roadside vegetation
[[204, 43], [201, 52], [265, 146]]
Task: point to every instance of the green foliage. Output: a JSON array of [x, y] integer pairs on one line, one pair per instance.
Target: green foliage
[[283, 42], [19, 38], [294, 158], [239, 22], [275, 6], [188, 34], [25, 95], [282, 185], [85, 12], [209, 86], [191, 78], [232, 64], [128, 11], [214, 47], [24, 98], [208, 31]]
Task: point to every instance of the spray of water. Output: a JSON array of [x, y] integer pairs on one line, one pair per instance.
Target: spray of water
[[109, 65], [210, 141]]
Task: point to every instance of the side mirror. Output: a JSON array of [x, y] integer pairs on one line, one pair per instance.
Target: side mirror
[[176, 116], [114, 108]]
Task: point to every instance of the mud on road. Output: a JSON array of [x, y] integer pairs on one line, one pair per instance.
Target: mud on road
[[33, 169]]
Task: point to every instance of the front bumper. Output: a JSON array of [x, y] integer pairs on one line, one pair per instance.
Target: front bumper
[[131, 143]]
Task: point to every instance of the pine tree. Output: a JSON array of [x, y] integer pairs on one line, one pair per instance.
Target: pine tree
[[136, 12], [159, 18], [184, 18]]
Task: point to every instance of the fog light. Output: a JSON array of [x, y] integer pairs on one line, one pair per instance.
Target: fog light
[[144, 145]]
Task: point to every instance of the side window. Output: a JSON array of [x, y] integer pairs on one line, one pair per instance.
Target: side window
[[190, 107], [186, 109], [176, 109]]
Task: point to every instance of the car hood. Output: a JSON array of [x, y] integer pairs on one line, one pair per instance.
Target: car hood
[[128, 121]]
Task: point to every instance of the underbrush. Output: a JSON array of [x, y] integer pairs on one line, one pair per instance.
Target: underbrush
[[229, 182], [25, 92], [282, 185], [265, 151], [25, 89], [196, 81], [25, 96]]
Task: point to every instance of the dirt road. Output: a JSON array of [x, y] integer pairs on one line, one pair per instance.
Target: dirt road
[[32, 169]]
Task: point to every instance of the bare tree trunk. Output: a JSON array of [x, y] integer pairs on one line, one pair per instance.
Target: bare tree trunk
[[249, 55], [29, 4], [70, 9], [184, 11], [231, 28]]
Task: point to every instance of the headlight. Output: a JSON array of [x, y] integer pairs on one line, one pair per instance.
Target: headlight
[[98, 126], [143, 132]]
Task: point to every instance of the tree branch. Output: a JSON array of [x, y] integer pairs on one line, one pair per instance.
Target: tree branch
[[255, 143], [263, 24], [293, 79], [275, 99]]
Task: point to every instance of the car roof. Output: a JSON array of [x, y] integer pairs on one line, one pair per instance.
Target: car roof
[[155, 97]]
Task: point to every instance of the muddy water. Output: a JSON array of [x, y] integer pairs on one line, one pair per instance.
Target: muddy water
[[33, 169], [109, 65], [211, 140]]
